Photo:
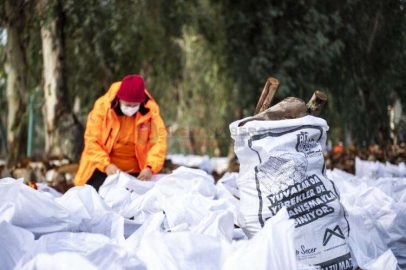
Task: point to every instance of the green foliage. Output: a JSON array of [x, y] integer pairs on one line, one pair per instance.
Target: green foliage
[[206, 61], [354, 50]]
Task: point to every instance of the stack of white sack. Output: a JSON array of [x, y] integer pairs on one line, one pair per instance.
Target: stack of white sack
[[376, 169], [205, 163], [181, 221], [192, 161], [377, 216], [377, 235], [220, 164]]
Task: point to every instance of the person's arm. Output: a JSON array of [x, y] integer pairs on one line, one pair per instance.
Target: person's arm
[[157, 142], [94, 146]]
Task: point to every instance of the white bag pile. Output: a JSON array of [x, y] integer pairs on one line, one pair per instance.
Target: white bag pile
[[376, 169], [201, 162], [181, 221], [377, 215], [205, 163]]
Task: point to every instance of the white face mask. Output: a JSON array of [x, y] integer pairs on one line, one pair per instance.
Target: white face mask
[[129, 111]]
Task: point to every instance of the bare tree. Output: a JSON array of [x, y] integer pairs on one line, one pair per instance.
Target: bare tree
[[63, 132], [16, 69]]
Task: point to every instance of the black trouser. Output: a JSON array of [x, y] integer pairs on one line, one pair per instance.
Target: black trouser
[[97, 179]]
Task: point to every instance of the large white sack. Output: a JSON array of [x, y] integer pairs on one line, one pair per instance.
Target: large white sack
[[192, 208], [388, 214], [201, 162], [198, 214], [183, 181], [391, 186], [35, 211], [282, 164], [187, 180], [58, 261], [181, 250], [129, 182], [189, 209], [174, 250], [229, 182], [382, 200], [223, 192], [341, 177], [231, 203], [393, 170], [218, 224], [48, 190], [394, 187], [120, 189], [219, 164], [95, 216], [142, 208], [177, 250], [271, 248], [14, 243], [97, 249], [369, 169], [130, 226], [118, 199], [402, 169], [151, 225], [7, 212], [368, 241], [128, 203], [385, 261], [399, 189]]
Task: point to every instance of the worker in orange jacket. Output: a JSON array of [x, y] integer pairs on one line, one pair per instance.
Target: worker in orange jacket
[[124, 132]]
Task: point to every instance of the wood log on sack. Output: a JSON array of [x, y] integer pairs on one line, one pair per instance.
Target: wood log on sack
[[289, 108], [316, 103], [267, 95]]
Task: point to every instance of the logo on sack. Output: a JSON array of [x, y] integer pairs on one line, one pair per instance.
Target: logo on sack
[[306, 251], [329, 233], [305, 143]]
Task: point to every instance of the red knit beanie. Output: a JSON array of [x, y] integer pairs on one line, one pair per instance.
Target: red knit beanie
[[132, 89]]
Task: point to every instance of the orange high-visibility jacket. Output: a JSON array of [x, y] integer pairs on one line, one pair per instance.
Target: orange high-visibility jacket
[[103, 127]]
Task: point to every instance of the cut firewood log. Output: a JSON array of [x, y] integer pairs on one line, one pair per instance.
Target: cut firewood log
[[316, 103], [267, 95], [289, 108]]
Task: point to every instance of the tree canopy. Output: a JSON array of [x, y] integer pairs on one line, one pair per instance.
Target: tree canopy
[[206, 61]]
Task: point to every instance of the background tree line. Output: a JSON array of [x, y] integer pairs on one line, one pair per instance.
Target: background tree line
[[204, 61]]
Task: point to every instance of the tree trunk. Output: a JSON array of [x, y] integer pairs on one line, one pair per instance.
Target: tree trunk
[[15, 67], [63, 132]]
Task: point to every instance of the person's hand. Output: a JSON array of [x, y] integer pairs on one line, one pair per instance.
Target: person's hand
[[111, 169], [145, 174]]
